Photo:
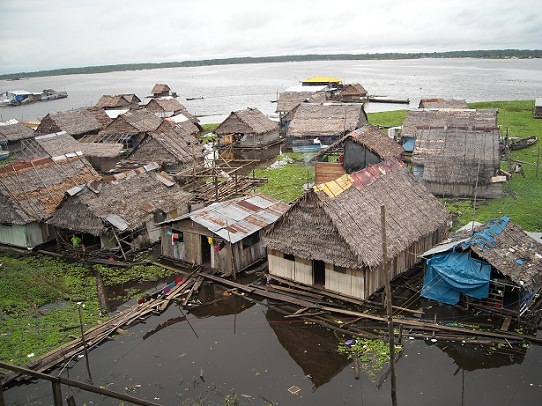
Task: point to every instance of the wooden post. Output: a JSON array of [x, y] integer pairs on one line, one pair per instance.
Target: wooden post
[[538, 161], [389, 309], [57, 393]]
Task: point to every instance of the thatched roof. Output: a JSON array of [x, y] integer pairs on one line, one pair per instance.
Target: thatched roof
[[12, 130], [100, 150], [169, 144], [74, 122], [165, 104], [339, 221], [31, 191], [353, 89], [126, 200], [246, 121], [185, 124], [132, 122], [457, 155], [313, 120], [160, 88], [442, 103], [509, 249], [371, 138], [118, 101], [288, 100], [49, 145], [448, 118]]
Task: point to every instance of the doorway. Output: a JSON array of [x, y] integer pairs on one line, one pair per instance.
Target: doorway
[[319, 272]]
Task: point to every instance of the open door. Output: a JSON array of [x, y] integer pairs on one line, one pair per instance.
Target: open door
[[319, 273], [205, 251]]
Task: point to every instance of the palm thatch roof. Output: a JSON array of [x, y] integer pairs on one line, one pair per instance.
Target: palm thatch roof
[[457, 155], [31, 191], [75, 122], [246, 121], [290, 99], [185, 124], [49, 145], [125, 200], [369, 137], [12, 130], [313, 120], [159, 88], [167, 104], [504, 245], [339, 221], [442, 103], [353, 90], [118, 101], [448, 118], [130, 123], [169, 144]]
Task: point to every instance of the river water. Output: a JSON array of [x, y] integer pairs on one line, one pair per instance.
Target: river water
[[185, 357], [222, 89]]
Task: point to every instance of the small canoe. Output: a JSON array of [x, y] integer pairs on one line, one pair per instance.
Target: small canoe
[[523, 143]]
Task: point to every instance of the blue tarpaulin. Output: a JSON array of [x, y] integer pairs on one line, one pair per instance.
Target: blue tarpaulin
[[451, 273]]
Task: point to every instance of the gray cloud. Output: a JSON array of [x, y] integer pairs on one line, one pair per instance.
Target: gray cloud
[[38, 35]]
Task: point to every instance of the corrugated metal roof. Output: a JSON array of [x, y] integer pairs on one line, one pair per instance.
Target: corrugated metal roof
[[238, 218]]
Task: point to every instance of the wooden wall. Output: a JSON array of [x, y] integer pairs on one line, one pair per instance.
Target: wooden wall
[[326, 171]]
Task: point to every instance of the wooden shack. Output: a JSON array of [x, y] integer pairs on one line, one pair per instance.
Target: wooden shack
[[120, 101], [355, 151], [30, 193], [496, 265], [442, 103], [14, 133], [537, 109], [119, 213], [248, 128], [223, 235], [161, 90], [327, 122], [331, 237], [352, 92]]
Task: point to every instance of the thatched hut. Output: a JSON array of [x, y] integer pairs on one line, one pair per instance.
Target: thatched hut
[[248, 128], [496, 264], [14, 133], [168, 106], [78, 123], [461, 162], [120, 212], [442, 103], [223, 235], [171, 146], [161, 90], [119, 101], [30, 193], [331, 237], [352, 92], [328, 122], [355, 151]]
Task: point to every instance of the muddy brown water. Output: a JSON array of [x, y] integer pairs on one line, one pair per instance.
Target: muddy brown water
[[231, 346]]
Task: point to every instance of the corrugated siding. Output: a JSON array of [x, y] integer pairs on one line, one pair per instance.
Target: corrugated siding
[[13, 235]]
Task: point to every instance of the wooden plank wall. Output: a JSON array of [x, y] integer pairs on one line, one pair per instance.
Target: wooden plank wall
[[326, 171]]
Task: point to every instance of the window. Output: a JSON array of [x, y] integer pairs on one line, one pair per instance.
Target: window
[[289, 257], [251, 240], [339, 269]]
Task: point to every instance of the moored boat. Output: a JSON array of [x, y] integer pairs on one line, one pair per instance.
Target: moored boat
[[523, 143]]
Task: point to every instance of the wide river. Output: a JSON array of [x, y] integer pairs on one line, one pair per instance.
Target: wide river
[[222, 89], [244, 348]]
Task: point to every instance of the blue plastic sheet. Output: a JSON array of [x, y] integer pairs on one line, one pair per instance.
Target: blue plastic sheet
[[451, 273]]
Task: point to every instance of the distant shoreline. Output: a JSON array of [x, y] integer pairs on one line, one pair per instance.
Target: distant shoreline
[[484, 54]]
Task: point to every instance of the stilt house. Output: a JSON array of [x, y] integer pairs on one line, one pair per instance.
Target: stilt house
[[328, 122], [355, 151], [125, 101], [30, 193], [248, 128], [77, 123], [223, 235], [14, 133], [497, 265], [119, 213], [331, 236]]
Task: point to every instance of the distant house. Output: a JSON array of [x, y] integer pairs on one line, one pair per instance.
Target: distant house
[[352, 92], [223, 235], [442, 103], [77, 123], [185, 124], [161, 90], [168, 106], [120, 212], [328, 122], [118, 102], [290, 99], [537, 111], [496, 264], [171, 146], [460, 162], [248, 128], [331, 236], [13, 133], [355, 151], [31, 192]]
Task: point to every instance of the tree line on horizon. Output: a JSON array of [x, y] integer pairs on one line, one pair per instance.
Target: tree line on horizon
[[486, 54]]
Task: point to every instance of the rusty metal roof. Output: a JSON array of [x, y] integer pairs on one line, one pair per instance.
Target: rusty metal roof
[[238, 218]]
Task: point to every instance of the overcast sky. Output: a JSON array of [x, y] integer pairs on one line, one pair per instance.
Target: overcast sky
[[48, 34]]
